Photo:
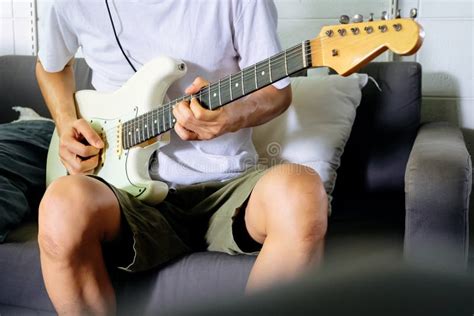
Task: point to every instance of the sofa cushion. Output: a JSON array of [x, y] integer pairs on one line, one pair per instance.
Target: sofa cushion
[[22, 282], [315, 128], [199, 277]]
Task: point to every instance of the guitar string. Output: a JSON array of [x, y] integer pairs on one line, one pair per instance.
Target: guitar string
[[213, 87], [225, 83], [277, 59], [144, 118], [166, 107]]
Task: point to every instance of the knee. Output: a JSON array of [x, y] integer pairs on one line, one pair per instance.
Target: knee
[[303, 202], [64, 214]]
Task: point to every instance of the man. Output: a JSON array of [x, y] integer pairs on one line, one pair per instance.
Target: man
[[216, 202]]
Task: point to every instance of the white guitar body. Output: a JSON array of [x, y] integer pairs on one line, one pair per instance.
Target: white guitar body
[[125, 169]]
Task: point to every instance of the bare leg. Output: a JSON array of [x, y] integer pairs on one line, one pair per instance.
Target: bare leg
[[76, 214], [287, 212]]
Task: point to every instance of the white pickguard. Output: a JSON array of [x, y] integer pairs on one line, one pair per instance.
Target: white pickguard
[[125, 169]]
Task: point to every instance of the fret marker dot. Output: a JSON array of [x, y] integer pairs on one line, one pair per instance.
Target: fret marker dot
[[146, 126], [155, 121], [236, 84], [129, 133], [215, 94], [263, 73], [137, 130]]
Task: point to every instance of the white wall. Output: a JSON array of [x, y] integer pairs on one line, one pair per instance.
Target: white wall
[[448, 61], [18, 27]]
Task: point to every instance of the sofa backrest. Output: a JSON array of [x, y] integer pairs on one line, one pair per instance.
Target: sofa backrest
[[18, 85], [371, 176]]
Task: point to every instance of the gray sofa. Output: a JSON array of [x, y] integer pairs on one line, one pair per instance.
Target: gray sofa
[[389, 187]]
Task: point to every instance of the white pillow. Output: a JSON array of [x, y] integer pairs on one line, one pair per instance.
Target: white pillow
[[315, 128], [28, 114]]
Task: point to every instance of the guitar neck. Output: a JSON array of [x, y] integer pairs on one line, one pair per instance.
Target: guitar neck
[[220, 93]]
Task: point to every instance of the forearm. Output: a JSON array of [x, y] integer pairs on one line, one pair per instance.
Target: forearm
[[259, 107], [58, 91]]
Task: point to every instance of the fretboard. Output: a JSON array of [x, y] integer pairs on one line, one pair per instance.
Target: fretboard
[[220, 93]]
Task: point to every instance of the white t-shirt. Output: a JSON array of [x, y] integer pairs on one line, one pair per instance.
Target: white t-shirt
[[213, 37]]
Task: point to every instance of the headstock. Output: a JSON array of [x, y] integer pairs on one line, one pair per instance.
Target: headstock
[[349, 46]]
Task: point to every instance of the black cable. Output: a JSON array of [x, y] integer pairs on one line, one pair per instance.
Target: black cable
[[117, 38]]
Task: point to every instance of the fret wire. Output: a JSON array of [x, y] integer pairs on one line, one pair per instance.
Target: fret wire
[[170, 118], [210, 104], [135, 132], [286, 64], [150, 121], [144, 126], [130, 135], [242, 82], [270, 69], [153, 123], [141, 131], [255, 75], [220, 98], [138, 130], [158, 120], [147, 126], [230, 87], [163, 120]]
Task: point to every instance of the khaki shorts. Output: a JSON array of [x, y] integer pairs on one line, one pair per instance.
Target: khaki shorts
[[192, 218]]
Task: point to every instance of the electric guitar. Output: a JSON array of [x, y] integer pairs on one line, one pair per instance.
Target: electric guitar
[[133, 121]]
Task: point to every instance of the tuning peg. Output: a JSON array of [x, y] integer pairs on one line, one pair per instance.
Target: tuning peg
[[358, 18], [398, 16], [344, 19], [384, 15], [371, 18], [413, 13]]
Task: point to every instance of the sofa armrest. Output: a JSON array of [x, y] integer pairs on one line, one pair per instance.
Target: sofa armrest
[[438, 182]]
